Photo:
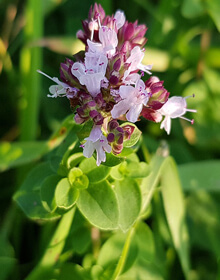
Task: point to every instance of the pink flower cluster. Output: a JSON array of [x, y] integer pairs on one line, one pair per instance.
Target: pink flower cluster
[[104, 84]]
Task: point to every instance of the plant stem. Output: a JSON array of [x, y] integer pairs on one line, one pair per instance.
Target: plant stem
[[46, 266], [124, 254], [146, 153], [30, 61]]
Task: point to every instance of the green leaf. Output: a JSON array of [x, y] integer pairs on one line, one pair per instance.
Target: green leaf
[[135, 136], [192, 8], [103, 274], [28, 196], [200, 176], [66, 126], [129, 201], [203, 211], [213, 8], [138, 170], [6, 264], [149, 183], [142, 270], [130, 169], [111, 251], [47, 192], [79, 238], [112, 160], [175, 212], [65, 195], [94, 173], [145, 242], [16, 154], [71, 271], [7, 260], [99, 206], [46, 267], [165, 169], [74, 160]]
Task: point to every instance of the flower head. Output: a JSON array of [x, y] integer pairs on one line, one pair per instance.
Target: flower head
[[104, 84]]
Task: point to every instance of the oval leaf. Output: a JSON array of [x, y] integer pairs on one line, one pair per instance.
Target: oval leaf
[[65, 195], [28, 196], [129, 201], [99, 205], [111, 251], [145, 241], [74, 159], [94, 173], [48, 191]]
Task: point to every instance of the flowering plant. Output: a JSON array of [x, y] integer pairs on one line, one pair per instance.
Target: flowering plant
[[105, 84], [107, 93]]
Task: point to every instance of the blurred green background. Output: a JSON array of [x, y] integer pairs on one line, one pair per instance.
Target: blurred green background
[[184, 47]]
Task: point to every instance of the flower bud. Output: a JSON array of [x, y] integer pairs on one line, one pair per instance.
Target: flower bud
[[111, 137], [113, 124], [117, 65], [158, 94], [77, 179], [128, 130]]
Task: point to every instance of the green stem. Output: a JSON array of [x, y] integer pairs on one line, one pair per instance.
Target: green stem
[[30, 61], [146, 153], [45, 268], [124, 254]]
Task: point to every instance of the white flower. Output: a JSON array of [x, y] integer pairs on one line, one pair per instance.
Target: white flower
[[92, 72], [61, 89], [175, 107], [135, 60], [120, 19], [109, 41], [132, 101], [96, 141]]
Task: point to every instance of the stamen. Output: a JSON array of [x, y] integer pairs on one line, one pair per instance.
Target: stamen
[[191, 121], [193, 95], [191, 110], [99, 22], [82, 146], [92, 34], [39, 71], [114, 23]]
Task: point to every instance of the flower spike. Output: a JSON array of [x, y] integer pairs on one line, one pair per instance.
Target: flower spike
[[104, 84]]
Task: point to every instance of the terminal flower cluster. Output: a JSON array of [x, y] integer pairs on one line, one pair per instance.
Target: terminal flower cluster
[[104, 83]]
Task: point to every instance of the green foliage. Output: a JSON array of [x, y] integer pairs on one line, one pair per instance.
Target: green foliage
[[28, 196], [65, 195], [138, 215], [99, 205], [129, 201]]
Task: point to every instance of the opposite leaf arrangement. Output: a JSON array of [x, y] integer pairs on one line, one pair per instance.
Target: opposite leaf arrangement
[[105, 84]]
